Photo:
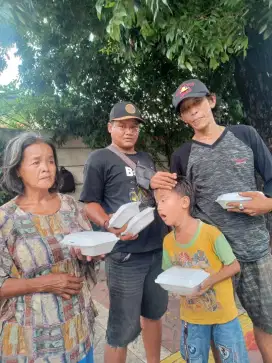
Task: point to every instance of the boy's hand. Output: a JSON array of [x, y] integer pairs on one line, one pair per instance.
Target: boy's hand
[[203, 287]]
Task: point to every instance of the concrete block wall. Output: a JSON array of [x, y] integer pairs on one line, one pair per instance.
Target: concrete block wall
[[73, 155]]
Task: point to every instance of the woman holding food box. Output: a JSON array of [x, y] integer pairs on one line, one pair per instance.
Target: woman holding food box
[[46, 309]]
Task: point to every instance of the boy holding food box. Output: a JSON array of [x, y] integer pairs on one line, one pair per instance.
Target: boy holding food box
[[209, 313]]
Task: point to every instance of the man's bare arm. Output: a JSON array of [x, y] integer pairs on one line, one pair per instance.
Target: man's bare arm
[[96, 214]]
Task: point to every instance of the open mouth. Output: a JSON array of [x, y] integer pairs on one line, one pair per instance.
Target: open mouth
[[163, 216]]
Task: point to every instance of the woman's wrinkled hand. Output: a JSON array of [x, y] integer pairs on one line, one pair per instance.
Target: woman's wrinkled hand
[[61, 284]]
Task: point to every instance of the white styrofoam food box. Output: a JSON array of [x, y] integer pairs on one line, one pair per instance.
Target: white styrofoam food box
[[182, 281], [224, 199], [124, 214], [91, 243], [140, 221]]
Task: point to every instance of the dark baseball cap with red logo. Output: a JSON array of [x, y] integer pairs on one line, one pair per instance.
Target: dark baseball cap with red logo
[[124, 111], [188, 89]]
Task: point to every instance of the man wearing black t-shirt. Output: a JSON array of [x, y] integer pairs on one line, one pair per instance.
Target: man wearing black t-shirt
[[135, 262], [221, 160]]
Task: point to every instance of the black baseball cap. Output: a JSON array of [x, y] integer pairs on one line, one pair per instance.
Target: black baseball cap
[[124, 111], [188, 89]]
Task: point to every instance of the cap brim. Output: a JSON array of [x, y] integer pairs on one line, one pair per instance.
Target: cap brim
[[191, 95], [128, 118]]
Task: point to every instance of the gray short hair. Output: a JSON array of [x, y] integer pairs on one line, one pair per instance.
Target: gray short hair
[[13, 157], [185, 188]]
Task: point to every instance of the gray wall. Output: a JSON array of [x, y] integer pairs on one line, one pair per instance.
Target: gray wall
[[73, 155]]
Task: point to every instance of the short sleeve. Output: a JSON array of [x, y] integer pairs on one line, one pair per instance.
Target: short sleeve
[[93, 181], [223, 250], [166, 261], [81, 216], [175, 164], [180, 158], [6, 261]]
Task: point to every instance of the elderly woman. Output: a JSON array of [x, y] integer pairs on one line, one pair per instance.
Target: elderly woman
[[46, 309]]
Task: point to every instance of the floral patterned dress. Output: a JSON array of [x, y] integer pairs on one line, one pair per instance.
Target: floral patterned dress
[[44, 327]]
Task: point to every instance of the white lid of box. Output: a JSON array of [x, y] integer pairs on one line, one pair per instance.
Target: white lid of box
[[140, 221], [182, 277], [231, 197], [124, 214], [88, 238]]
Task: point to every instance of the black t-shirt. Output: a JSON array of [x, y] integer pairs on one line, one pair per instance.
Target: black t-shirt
[[109, 181]]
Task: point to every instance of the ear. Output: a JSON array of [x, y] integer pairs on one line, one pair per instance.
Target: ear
[[18, 172], [110, 127], [212, 101], [186, 202]]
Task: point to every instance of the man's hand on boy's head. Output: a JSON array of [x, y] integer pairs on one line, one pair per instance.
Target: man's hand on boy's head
[[163, 180]]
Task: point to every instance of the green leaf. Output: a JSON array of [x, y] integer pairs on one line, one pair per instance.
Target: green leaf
[[263, 28], [165, 2], [189, 66], [120, 13], [20, 17], [170, 36], [225, 58], [213, 63], [20, 7], [267, 34], [99, 6], [169, 54], [110, 4], [156, 11], [115, 32]]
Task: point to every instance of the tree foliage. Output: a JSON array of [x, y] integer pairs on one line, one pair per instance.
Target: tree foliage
[[200, 35], [192, 33], [71, 75]]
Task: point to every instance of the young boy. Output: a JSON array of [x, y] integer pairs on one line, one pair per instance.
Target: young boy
[[210, 314]]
